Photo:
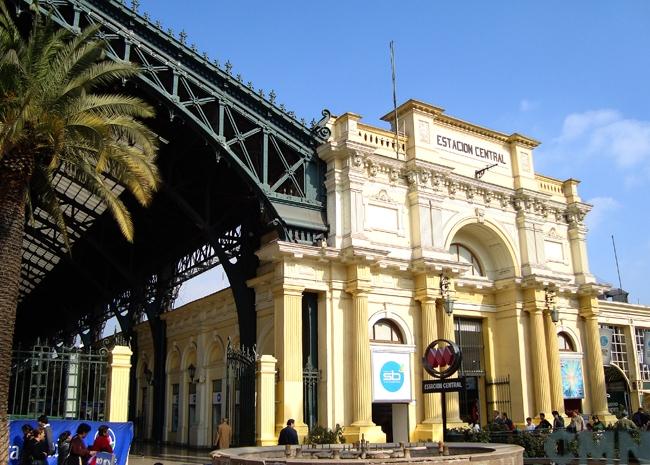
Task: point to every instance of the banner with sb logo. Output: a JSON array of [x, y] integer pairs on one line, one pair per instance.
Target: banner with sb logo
[[120, 434]]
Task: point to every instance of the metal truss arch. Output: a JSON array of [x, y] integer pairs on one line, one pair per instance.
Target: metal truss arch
[[271, 151]]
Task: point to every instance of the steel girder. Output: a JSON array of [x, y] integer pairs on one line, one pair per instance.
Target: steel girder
[[263, 142]]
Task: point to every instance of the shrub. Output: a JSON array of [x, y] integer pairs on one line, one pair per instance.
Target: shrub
[[324, 435]]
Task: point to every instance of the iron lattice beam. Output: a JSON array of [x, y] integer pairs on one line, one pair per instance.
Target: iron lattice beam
[[263, 142]]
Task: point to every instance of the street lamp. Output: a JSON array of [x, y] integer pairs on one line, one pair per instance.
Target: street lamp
[[551, 307], [448, 303], [191, 371]]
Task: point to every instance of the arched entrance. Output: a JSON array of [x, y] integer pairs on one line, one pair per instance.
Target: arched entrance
[[618, 390], [391, 379]]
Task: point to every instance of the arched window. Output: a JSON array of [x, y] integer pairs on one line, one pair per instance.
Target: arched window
[[464, 255], [386, 331], [564, 343]]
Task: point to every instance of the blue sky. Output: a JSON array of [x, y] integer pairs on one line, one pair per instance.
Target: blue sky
[[573, 75]]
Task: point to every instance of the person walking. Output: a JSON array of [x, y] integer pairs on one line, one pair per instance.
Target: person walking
[[224, 435], [79, 453], [288, 435], [44, 423], [558, 421], [23, 458]]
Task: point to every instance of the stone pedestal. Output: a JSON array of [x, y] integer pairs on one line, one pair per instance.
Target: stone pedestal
[[118, 384], [265, 408]]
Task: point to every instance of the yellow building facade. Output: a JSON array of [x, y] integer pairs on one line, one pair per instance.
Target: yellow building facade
[[450, 211]]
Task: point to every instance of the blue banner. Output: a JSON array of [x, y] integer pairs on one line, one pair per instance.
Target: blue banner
[[121, 435]]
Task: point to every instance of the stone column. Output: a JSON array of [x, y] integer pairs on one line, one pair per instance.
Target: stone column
[[118, 384], [265, 404], [359, 286], [554, 372], [537, 349], [431, 427], [534, 303], [446, 331], [288, 351], [595, 370]]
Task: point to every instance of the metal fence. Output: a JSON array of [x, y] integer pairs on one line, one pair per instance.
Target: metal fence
[[59, 382]]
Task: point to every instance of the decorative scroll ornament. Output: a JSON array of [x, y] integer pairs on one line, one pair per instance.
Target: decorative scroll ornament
[[320, 129]]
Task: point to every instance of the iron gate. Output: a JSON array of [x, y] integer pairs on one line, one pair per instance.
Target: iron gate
[[240, 394], [498, 395], [60, 382], [310, 379]]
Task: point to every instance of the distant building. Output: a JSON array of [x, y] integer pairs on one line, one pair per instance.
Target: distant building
[[448, 204]]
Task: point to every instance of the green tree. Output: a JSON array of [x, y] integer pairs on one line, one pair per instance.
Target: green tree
[[56, 115]]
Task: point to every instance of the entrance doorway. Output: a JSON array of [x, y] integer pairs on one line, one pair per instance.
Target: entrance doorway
[[573, 404], [393, 420], [618, 391]]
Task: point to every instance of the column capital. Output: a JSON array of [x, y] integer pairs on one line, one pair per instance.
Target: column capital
[[287, 289], [588, 307], [359, 279]]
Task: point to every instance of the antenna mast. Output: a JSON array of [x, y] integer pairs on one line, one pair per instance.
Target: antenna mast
[[392, 65], [618, 271]]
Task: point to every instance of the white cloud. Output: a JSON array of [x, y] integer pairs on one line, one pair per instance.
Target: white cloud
[[527, 105], [606, 134], [577, 124], [602, 208]]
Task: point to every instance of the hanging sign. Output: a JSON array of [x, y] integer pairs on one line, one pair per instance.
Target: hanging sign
[[606, 335], [391, 377]]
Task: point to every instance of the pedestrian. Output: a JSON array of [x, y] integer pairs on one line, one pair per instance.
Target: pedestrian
[[596, 424], [497, 420], [63, 447], [102, 441], [23, 458], [625, 423], [640, 418], [529, 425], [79, 453], [224, 435], [543, 422], [36, 448], [507, 422], [288, 435], [577, 422], [558, 421], [43, 422]]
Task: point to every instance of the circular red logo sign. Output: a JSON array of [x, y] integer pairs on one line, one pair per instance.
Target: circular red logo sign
[[442, 358]]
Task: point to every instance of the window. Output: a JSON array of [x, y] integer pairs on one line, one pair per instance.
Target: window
[[464, 255], [619, 350], [644, 365], [386, 331], [564, 343]]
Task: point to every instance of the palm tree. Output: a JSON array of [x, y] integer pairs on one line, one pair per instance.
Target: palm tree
[[54, 118]]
